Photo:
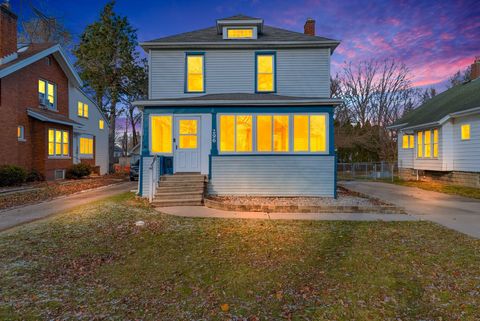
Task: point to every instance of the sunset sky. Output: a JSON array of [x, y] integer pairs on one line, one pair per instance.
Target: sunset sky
[[433, 38]]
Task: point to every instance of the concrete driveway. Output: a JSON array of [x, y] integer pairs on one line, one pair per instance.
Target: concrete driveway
[[29, 213], [455, 212]]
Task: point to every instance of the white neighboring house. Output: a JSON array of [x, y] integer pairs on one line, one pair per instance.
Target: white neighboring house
[[90, 142], [441, 139]]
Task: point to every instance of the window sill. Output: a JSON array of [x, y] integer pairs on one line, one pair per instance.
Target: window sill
[[23, 140], [59, 157], [85, 156]]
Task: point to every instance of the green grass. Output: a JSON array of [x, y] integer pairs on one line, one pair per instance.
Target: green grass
[[93, 262], [440, 187]]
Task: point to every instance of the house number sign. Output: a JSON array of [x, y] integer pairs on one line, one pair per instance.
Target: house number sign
[[214, 136]]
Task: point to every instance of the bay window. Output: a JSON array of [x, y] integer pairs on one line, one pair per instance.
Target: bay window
[[272, 134], [58, 142]]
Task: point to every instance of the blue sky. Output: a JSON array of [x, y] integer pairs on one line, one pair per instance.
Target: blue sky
[[433, 38]]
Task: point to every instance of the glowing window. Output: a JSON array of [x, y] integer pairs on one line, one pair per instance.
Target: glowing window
[[161, 129], [240, 33], [428, 143], [195, 73], [264, 133], [465, 130], [412, 141], [82, 109], [20, 133], [419, 144], [280, 133], [243, 131], [86, 146], [58, 142], [47, 94], [101, 124], [405, 141], [188, 129], [265, 73], [435, 143], [227, 133], [318, 133], [300, 133]]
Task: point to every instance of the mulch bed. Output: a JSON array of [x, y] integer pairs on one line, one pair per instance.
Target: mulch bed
[[47, 190], [346, 202]]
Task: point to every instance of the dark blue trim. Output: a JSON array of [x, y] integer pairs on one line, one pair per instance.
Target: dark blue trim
[[210, 167], [240, 109], [214, 150], [331, 138], [185, 79], [272, 154], [140, 177], [266, 53]]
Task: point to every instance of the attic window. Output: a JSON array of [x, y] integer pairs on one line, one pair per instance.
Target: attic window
[[239, 33]]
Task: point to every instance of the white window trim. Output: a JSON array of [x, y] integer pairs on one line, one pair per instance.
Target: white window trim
[[150, 133], [290, 134], [469, 132], [55, 156], [226, 28], [86, 156], [44, 104], [22, 136], [431, 144]]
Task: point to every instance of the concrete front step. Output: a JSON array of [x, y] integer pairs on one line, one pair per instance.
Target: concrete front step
[[178, 202], [161, 190], [182, 178], [179, 195], [198, 184]]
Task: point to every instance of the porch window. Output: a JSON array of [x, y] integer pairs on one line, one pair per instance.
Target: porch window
[[58, 142], [280, 133], [236, 133], [264, 133], [161, 129], [465, 131], [309, 133], [195, 73], [239, 33], [86, 146], [47, 93], [435, 143], [265, 65], [419, 144], [82, 109]]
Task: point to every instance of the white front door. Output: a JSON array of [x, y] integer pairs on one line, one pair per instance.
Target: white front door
[[187, 144]]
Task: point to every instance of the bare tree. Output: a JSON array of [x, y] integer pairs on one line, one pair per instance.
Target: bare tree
[[459, 77], [427, 94], [42, 28]]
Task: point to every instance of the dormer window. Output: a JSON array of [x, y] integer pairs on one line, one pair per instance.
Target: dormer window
[[239, 33]]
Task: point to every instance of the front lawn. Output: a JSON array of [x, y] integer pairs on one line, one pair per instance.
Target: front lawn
[[95, 263]]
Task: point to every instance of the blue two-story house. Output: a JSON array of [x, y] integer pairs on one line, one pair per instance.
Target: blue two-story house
[[245, 105]]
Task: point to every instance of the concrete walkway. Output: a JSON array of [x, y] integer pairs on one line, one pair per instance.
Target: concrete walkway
[[455, 212], [201, 211], [22, 215]]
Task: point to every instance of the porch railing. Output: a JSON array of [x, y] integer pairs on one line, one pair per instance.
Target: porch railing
[[153, 178]]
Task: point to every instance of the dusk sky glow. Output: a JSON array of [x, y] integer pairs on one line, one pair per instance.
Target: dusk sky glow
[[433, 38]]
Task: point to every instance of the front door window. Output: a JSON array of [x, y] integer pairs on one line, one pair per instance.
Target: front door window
[[188, 133]]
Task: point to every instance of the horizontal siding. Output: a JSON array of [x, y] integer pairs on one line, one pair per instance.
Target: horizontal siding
[[146, 175], [405, 156], [466, 153], [273, 175], [433, 164], [300, 72]]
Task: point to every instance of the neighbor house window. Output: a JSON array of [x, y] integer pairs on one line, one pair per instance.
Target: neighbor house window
[[240, 33], [265, 68], [412, 141], [101, 124], [161, 129], [419, 144], [58, 142], [47, 93], [435, 143], [465, 131], [408, 141], [309, 133], [195, 73], [20, 133], [86, 146], [82, 109], [427, 141], [236, 133]]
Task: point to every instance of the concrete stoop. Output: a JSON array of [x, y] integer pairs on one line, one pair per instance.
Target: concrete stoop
[[180, 190]]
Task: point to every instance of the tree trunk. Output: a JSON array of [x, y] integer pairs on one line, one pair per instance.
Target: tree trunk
[[111, 136], [134, 131]]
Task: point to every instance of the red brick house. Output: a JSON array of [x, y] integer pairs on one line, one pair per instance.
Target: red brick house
[[35, 104]]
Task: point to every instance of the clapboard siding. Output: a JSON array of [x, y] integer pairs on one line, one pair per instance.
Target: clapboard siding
[[466, 153], [405, 156], [146, 177], [429, 163], [273, 175], [300, 72]]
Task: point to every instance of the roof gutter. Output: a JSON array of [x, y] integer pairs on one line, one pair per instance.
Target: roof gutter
[[303, 102]]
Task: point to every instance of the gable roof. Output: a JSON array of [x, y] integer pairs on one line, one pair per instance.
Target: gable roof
[[269, 37], [454, 100], [34, 52], [51, 117]]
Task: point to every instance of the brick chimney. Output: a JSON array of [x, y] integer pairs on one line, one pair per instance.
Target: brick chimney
[[475, 72], [309, 27], [8, 30]]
